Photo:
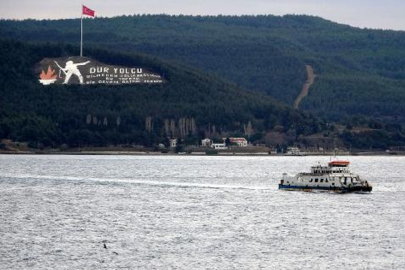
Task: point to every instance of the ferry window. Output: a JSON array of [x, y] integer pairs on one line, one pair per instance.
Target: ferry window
[[316, 180], [326, 180], [311, 180], [321, 180]]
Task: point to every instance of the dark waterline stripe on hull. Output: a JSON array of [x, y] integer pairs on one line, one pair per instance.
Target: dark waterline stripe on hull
[[308, 188], [336, 189]]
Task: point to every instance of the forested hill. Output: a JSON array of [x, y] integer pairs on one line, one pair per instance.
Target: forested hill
[[189, 105], [358, 71]]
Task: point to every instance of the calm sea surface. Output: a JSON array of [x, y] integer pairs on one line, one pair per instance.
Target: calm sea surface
[[189, 212]]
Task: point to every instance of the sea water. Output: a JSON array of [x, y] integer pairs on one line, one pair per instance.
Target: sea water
[[195, 212]]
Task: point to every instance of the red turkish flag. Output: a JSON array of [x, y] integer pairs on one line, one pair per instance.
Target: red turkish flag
[[87, 11]]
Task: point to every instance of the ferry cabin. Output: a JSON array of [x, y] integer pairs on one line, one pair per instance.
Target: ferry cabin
[[336, 175]]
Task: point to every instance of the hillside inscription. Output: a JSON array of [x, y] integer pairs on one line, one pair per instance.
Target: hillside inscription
[[83, 70]]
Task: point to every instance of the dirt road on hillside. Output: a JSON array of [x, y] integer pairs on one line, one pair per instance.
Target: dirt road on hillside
[[306, 86]]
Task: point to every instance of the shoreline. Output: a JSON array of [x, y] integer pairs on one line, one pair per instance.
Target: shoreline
[[202, 153]]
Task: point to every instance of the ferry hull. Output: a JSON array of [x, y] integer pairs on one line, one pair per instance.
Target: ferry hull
[[326, 189]]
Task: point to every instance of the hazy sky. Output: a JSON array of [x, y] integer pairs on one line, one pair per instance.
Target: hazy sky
[[384, 14]]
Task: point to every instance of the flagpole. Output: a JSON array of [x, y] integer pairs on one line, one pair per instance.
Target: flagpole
[[81, 34]]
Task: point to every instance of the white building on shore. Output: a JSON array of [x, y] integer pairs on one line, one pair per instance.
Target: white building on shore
[[293, 151], [173, 143], [219, 146], [206, 142]]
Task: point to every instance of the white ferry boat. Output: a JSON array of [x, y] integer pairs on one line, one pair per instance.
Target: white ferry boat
[[335, 177]]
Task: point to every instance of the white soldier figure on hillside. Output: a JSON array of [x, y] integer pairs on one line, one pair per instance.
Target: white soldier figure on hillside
[[70, 69]]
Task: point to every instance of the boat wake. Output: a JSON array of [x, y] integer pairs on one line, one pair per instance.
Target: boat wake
[[134, 181]]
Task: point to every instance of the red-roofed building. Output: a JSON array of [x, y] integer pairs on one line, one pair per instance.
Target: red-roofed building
[[241, 142]]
